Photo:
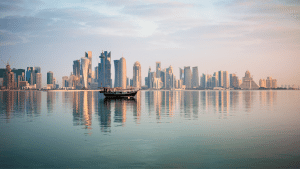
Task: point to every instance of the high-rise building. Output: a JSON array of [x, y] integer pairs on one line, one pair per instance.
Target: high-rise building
[[203, 80], [262, 83], [195, 79], [123, 75], [90, 71], [158, 69], [50, 79], [248, 82], [29, 75], [104, 70], [84, 69], [269, 82], [170, 78], [117, 73], [187, 77], [76, 68], [65, 81], [9, 79], [221, 79], [225, 79], [234, 81], [38, 80], [137, 77]]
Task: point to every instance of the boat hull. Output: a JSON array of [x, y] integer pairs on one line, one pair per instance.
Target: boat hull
[[119, 95]]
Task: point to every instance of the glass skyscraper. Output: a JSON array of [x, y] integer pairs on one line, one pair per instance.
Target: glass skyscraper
[[104, 70]]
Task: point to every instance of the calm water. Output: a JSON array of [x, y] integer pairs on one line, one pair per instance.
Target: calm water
[[171, 129]]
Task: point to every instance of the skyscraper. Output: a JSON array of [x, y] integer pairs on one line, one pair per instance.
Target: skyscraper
[[29, 75], [104, 70], [248, 82], [158, 69], [38, 80], [187, 77], [181, 75], [76, 68], [65, 80], [203, 83], [195, 79], [137, 77], [84, 69], [8, 80], [221, 79], [123, 76], [50, 79], [117, 73], [89, 56], [225, 79]]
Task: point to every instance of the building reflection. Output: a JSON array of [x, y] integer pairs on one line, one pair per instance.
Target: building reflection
[[20, 103], [50, 101], [248, 100], [8, 101], [137, 108], [104, 115], [234, 100], [82, 109], [195, 104]]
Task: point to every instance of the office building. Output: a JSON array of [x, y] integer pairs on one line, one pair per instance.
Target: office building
[[38, 77], [262, 83], [203, 80], [221, 79], [234, 81], [225, 79], [9, 79], [65, 81], [187, 77], [84, 69], [137, 77], [117, 73], [29, 75], [104, 70], [123, 75], [195, 79], [158, 69], [248, 82], [50, 80], [76, 68], [90, 71]]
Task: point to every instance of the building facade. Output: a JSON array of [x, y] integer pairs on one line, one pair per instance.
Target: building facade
[[137, 77]]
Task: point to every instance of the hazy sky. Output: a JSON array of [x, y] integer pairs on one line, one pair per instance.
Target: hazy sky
[[260, 36]]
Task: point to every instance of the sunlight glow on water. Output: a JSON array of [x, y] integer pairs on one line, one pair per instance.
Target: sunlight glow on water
[[156, 129]]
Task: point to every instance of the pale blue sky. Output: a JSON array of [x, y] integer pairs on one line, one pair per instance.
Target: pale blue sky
[[260, 36]]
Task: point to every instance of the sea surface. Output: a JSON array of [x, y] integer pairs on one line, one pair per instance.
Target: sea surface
[[157, 129]]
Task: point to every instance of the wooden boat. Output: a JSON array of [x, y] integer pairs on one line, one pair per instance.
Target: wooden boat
[[118, 92]]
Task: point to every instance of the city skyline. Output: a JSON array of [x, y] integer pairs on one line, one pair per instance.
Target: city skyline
[[262, 37]]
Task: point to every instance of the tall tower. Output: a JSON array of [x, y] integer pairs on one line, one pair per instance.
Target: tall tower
[[8, 80], [187, 77], [137, 77], [89, 56], [50, 79], [158, 69], [38, 80], [85, 66], [117, 73], [221, 79], [123, 76], [195, 79], [226, 80], [104, 70]]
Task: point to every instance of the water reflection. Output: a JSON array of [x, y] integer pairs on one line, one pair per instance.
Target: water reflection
[[162, 105], [20, 103], [83, 103]]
